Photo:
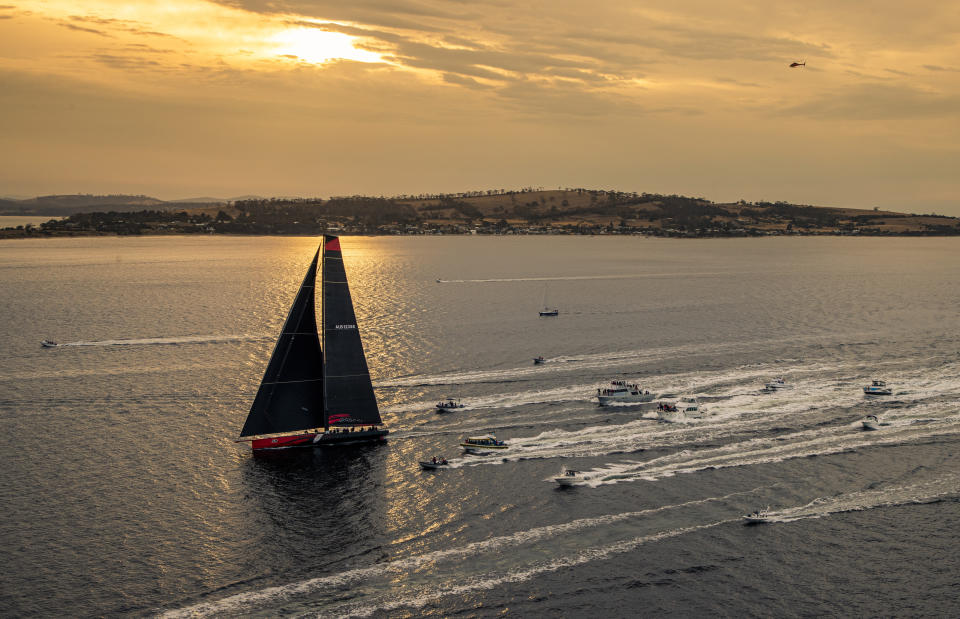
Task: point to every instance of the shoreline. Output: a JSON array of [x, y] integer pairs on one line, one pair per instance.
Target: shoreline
[[23, 235]]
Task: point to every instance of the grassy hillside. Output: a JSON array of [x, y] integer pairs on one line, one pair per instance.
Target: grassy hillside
[[531, 211]]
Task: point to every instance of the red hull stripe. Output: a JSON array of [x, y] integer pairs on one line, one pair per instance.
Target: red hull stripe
[[299, 440], [333, 244]]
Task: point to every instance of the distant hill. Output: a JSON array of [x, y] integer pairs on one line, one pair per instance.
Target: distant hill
[[63, 205], [495, 211], [200, 200]]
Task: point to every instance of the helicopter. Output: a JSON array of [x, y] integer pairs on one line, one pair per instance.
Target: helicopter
[[798, 64]]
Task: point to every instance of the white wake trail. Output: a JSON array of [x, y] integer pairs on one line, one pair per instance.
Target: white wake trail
[[401, 566], [491, 581], [153, 341]]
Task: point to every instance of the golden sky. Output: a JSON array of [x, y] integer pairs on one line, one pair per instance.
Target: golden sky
[[188, 98]]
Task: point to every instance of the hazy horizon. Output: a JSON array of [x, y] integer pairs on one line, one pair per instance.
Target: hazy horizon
[[193, 98]]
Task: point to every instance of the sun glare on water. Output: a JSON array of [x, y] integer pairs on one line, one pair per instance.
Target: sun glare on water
[[319, 46]]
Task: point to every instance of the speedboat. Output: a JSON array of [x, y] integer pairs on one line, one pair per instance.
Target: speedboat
[[760, 516], [448, 405], [877, 387], [482, 444], [871, 422], [777, 384], [621, 391], [48, 344], [669, 412], [434, 463], [568, 477], [690, 406], [539, 360], [549, 312]]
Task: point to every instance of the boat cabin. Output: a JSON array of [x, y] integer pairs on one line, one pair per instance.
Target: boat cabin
[[486, 441], [619, 387]]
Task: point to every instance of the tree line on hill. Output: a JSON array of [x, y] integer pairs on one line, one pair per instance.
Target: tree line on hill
[[570, 211]]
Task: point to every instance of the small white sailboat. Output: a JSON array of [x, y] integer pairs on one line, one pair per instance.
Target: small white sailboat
[[871, 422], [877, 387], [547, 310]]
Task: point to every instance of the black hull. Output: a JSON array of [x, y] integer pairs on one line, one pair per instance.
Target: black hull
[[331, 438]]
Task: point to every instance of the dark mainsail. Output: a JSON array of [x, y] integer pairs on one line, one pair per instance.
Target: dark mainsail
[[349, 394], [290, 397]]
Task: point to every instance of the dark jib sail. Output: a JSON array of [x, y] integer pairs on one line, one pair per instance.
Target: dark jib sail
[[348, 392], [290, 397]]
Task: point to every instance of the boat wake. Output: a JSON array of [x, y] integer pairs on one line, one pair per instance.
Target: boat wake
[[619, 358], [916, 425], [930, 491], [465, 552], [496, 280], [161, 341], [493, 580], [767, 450]]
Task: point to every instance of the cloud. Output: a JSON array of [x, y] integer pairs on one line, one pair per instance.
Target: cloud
[[546, 85], [83, 29], [126, 62], [735, 82], [878, 101], [680, 41], [453, 78]]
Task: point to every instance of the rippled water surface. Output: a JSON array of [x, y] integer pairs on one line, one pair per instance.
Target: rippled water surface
[[125, 494]]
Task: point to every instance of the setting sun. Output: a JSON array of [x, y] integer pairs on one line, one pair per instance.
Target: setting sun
[[319, 46]]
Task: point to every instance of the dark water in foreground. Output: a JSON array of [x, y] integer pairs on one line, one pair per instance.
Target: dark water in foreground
[[124, 493]]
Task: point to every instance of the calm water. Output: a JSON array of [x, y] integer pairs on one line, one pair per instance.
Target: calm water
[[124, 493]]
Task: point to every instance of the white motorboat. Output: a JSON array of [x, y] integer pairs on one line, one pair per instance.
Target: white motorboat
[[621, 391], [877, 387], [569, 477], [434, 463], [48, 344], [482, 444], [758, 517], [871, 422], [777, 384], [669, 412], [449, 404], [691, 408]]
